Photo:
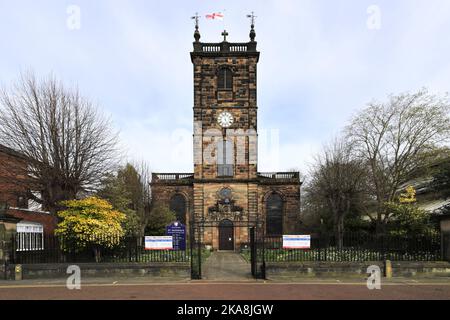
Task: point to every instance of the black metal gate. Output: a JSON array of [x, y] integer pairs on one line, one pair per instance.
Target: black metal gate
[[256, 245], [257, 261]]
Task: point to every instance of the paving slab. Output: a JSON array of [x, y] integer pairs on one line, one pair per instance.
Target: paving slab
[[225, 265]]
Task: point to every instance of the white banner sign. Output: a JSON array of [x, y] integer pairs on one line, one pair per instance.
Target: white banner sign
[[159, 243], [297, 242]]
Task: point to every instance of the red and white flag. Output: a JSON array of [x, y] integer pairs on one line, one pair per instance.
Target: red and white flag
[[215, 16]]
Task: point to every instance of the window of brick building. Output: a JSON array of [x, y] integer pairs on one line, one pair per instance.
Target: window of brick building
[[30, 236], [22, 202]]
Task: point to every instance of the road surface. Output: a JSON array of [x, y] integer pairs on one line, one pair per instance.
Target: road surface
[[225, 291]]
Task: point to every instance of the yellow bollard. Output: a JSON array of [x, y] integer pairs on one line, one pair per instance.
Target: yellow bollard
[[18, 272], [388, 269]]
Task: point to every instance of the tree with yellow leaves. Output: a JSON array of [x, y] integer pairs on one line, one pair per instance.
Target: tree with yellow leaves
[[91, 222], [409, 196], [407, 217]]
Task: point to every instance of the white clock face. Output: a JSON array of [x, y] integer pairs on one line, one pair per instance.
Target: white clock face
[[225, 119]]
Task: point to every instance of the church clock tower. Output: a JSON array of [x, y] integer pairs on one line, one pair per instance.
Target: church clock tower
[[226, 197], [225, 134], [225, 108]]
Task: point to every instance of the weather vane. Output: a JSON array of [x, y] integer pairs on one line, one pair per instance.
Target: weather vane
[[196, 17], [252, 17]]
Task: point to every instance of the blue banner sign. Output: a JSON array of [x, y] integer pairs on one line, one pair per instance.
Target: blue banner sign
[[178, 232]]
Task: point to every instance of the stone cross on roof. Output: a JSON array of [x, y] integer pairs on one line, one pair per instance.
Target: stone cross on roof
[[225, 35]]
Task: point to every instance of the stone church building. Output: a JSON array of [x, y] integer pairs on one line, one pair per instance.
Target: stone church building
[[226, 194]]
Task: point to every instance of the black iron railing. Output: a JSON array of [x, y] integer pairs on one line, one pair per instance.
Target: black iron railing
[[54, 249], [358, 248]]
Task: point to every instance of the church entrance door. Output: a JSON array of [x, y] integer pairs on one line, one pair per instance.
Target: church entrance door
[[226, 235]]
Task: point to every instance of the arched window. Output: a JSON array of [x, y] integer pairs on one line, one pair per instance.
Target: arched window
[[225, 79], [178, 205], [274, 218]]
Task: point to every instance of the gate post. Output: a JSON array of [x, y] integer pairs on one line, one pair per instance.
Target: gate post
[[199, 252], [257, 252], [263, 264], [3, 263], [195, 251], [445, 246], [7, 250], [445, 237], [253, 251], [191, 248]]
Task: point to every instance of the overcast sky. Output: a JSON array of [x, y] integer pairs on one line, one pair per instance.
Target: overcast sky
[[321, 61]]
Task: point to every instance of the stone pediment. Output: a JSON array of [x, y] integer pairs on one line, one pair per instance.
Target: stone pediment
[[225, 209]]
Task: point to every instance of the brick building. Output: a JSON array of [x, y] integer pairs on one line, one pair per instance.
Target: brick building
[[12, 171], [226, 193], [14, 205]]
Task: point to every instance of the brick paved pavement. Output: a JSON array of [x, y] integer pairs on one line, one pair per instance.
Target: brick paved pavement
[[249, 290]]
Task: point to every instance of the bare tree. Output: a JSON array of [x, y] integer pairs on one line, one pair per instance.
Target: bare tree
[[68, 144], [145, 175], [337, 184], [391, 137]]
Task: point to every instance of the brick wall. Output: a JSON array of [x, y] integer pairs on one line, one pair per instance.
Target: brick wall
[[12, 173], [48, 221]]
